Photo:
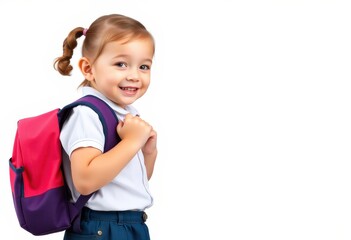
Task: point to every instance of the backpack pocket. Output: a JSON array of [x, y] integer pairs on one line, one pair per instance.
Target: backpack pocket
[[16, 179]]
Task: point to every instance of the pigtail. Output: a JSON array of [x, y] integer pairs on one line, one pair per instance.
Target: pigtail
[[62, 64]]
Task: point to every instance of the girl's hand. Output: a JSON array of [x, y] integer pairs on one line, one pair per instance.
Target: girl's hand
[[150, 145], [150, 153], [134, 129]]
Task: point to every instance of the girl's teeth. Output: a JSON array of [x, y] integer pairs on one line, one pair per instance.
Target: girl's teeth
[[129, 89]]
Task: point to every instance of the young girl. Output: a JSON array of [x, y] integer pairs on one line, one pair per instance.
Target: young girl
[[117, 55]]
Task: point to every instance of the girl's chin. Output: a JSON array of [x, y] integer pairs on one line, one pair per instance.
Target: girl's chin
[[125, 103]]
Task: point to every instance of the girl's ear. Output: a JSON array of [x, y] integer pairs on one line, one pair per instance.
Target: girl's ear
[[85, 68]]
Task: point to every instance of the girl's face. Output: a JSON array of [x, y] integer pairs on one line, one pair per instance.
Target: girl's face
[[122, 71]]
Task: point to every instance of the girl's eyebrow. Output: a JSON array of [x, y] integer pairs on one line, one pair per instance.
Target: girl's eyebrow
[[121, 55], [128, 56], [147, 60]]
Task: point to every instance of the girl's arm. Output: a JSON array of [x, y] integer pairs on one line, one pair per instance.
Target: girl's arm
[[92, 169]]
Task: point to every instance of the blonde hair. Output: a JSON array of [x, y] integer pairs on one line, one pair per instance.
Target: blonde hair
[[105, 29]]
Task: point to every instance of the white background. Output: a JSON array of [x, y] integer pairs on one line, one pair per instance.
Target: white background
[[251, 101]]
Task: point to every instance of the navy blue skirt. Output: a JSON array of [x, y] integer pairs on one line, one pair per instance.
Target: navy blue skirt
[[114, 225]]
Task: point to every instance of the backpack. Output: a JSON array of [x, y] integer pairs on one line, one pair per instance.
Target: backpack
[[40, 195]]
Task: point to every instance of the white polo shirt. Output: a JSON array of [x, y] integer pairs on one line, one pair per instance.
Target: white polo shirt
[[129, 190]]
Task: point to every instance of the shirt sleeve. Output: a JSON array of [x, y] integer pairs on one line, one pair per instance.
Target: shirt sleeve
[[82, 129]]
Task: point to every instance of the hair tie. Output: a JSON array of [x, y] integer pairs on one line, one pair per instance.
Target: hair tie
[[85, 31]]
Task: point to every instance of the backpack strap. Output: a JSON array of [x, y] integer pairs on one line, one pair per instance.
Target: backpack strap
[[109, 122], [106, 115]]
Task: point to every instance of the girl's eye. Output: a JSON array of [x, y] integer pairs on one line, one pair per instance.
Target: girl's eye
[[121, 64], [144, 67]]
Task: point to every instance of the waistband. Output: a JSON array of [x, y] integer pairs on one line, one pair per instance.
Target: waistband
[[118, 216]]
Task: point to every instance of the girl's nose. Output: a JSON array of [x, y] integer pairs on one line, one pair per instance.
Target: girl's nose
[[133, 75]]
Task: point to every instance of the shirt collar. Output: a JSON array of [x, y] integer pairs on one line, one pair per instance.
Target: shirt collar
[[92, 91]]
